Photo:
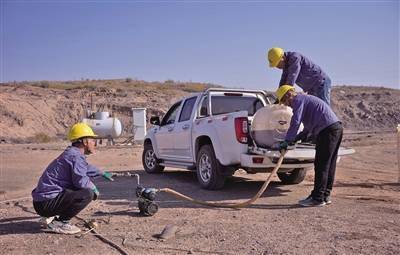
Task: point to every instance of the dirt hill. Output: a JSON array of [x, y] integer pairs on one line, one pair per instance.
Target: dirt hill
[[41, 111]]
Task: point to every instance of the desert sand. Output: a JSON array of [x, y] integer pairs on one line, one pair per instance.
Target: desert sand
[[364, 217]]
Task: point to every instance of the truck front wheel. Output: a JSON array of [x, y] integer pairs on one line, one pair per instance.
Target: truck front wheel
[[293, 177], [209, 169], [149, 160]]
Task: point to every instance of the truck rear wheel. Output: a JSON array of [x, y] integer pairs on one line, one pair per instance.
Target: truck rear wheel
[[293, 177], [150, 161], [209, 169]]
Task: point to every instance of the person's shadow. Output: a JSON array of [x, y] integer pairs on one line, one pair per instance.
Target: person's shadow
[[121, 192], [20, 225]]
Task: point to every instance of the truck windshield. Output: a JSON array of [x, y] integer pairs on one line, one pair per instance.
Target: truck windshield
[[221, 104]]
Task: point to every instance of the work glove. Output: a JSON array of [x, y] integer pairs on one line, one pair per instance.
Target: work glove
[[96, 193], [283, 146], [108, 176], [302, 136]]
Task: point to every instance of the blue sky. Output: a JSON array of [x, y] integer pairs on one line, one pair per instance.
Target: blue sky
[[355, 42]]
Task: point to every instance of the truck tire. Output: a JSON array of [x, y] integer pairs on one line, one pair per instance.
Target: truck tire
[[209, 169], [149, 160], [293, 177]]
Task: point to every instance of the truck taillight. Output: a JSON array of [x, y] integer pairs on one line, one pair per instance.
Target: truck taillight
[[241, 129]]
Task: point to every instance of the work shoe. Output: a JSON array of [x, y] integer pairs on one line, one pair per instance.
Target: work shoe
[[328, 200], [310, 201], [63, 227], [45, 221]]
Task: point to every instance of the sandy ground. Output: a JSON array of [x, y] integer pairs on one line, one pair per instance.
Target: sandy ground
[[364, 217]]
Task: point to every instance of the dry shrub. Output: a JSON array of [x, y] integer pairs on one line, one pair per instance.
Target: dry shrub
[[41, 138], [169, 81], [192, 87]]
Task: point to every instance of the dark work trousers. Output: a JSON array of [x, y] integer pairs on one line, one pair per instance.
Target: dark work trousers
[[327, 147], [66, 205]]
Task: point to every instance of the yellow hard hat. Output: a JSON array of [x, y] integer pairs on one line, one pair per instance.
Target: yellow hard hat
[[274, 56], [80, 130], [282, 90]]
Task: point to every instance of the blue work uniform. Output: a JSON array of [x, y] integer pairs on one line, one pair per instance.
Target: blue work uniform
[[69, 171], [320, 121], [314, 113], [310, 77]]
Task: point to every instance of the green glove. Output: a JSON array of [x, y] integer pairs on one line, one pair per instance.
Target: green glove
[[96, 193], [283, 145], [108, 176]]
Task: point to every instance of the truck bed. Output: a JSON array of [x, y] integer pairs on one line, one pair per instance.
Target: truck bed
[[299, 151]]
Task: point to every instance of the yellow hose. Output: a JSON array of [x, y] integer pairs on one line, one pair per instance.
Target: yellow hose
[[230, 205]]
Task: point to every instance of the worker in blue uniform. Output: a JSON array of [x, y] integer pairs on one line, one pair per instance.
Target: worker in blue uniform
[[321, 122], [65, 187], [300, 70]]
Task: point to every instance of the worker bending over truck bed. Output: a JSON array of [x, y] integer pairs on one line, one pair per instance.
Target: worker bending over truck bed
[[321, 122], [298, 69]]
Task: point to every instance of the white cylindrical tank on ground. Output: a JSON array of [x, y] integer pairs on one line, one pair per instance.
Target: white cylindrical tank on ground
[[270, 124], [139, 123], [104, 126]]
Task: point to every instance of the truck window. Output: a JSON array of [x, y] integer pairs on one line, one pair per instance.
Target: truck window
[[226, 104], [170, 116], [204, 107], [187, 109], [271, 98]]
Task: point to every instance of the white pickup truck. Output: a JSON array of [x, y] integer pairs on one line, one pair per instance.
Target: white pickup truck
[[209, 132]]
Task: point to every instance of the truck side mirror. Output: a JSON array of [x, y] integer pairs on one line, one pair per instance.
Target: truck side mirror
[[155, 120]]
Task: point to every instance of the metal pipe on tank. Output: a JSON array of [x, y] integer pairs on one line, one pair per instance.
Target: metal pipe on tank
[[101, 115]]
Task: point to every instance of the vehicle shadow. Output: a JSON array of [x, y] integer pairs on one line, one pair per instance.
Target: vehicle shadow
[[236, 189]]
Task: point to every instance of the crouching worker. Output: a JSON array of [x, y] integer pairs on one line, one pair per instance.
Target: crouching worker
[[319, 120], [65, 189]]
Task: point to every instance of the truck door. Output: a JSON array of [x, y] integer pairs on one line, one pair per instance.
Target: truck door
[[183, 131], [164, 135]]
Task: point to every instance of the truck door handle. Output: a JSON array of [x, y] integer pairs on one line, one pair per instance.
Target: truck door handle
[[186, 126], [170, 129]]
